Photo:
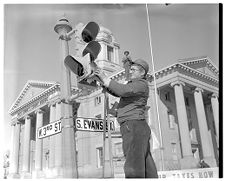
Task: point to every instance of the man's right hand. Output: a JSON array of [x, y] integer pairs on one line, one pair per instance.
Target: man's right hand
[[103, 79]]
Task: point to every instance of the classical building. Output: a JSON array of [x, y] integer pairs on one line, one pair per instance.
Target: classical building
[[182, 111]]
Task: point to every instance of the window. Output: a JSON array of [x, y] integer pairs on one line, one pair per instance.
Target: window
[[195, 152], [99, 157], [214, 127], [211, 109], [110, 53], [174, 151], [187, 101], [46, 151], [118, 149], [167, 96], [189, 113], [190, 126], [193, 136], [171, 120], [97, 100]]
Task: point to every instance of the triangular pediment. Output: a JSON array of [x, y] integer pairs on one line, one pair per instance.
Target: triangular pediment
[[31, 89], [202, 64]]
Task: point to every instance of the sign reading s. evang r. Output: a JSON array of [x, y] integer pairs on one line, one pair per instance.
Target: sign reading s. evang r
[[49, 129], [96, 125]]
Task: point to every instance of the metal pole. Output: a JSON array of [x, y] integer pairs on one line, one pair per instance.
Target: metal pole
[[69, 159], [156, 95], [109, 135], [104, 135]]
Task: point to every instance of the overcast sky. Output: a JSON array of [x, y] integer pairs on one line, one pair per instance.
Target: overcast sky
[[32, 50]]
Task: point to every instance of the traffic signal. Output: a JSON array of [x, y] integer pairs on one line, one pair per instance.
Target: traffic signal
[[84, 64]]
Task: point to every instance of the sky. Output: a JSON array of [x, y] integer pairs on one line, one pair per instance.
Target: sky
[[32, 49]]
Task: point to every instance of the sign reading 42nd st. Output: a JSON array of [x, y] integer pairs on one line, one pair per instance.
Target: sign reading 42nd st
[[49, 129]]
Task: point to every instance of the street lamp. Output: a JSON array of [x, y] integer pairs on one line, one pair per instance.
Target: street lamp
[[68, 134]]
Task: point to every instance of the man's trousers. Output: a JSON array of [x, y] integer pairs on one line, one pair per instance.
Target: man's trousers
[[136, 148]]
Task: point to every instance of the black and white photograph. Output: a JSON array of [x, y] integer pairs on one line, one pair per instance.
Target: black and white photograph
[[112, 90]]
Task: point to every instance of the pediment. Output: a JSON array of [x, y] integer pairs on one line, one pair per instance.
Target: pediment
[[30, 90], [202, 64]]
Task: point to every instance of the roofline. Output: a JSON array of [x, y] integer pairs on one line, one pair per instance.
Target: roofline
[[185, 66], [54, 86], [28, 83], [188, 60]]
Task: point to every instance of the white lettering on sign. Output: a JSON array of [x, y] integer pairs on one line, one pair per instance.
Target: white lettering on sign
[[49, 129], [190, 173], [95, 125]]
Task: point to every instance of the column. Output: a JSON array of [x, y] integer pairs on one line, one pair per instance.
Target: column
[[26, 146], [101, 55], [38, 144], [116, 60], [215, 107], [116, 57], [203, 129], [14, 158], [105, 51], [58, 143], [187, 160]]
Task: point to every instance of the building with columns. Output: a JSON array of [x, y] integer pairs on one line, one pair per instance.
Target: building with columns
[[182, 112]]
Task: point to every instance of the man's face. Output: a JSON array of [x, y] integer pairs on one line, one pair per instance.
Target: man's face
[[136, 72]]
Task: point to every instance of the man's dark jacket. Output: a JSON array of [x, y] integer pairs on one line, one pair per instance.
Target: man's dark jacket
[[133, 99]]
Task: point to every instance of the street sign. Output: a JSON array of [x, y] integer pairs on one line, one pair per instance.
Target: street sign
[[190, 173], [90, 124], [82, 124], [49, 129], [184, 174]]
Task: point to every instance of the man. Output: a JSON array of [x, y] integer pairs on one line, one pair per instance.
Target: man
[[131, 117]]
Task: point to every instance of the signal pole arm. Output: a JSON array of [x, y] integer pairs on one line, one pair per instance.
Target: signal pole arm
[[67, 36], [74, 31]]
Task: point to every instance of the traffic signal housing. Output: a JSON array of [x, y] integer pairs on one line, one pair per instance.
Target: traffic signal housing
[[83, 65]]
